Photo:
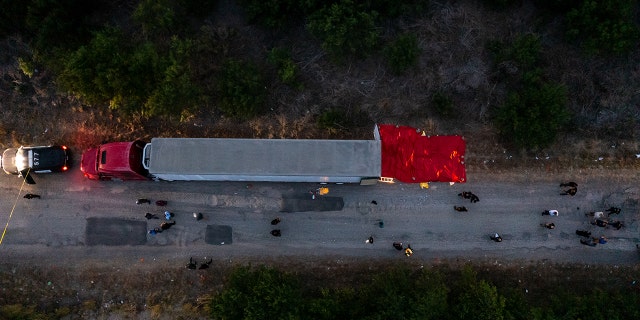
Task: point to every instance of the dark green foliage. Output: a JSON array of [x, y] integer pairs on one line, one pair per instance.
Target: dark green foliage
[[532, 117], [287, 69], [604, 26], [131, 79], [442, 104], [176, 92], [279, 13], [157, 17], [333, 119], [402, 53], [241, 89], [345, 29], [59, 23], [264, 293], [477, 299], [535, 110], [523, 52], [403, 293], [12, 16]]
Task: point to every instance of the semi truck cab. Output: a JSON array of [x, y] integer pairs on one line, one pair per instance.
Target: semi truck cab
[[115, 161]]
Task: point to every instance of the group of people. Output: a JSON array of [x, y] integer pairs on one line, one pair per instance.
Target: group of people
[[276, 232], [193, 265], [165, 225], [407, 251]]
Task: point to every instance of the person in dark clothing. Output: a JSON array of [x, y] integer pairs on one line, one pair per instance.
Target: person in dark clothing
[[142, 200], [370, 240], [397, 245], [614, 210], [276, 233], [617, 224], [192, 265], [275, 221], [474, 198], [31, 196], [151, 216], [588, 242], [569, 184], [167, 225], [496, 237], [600, 223], [583, 233], [460, 209], [548, 225]]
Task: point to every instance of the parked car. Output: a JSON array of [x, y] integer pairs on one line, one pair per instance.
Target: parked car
[[42, 159]]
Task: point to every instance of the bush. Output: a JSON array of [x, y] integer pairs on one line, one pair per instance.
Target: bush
[[59, 23], [287, 69], [532, 117], [345, 29], [523, 52], [241, 89], [478, 299], [156, 17], [264, 293], [605, 26], [403, 53]]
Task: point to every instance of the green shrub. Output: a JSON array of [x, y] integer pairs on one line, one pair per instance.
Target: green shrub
[[241, 89], [605, 26], [264, 293], [345, 29], [532, 116], [59, 23], [287, 69], [523, 52], [333, 119], [402, 53], [477, 299], [156, 17]]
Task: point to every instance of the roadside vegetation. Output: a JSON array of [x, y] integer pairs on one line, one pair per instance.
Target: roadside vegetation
[[325, 290]]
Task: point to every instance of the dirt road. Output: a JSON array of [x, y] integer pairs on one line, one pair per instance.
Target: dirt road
[[52, 230]]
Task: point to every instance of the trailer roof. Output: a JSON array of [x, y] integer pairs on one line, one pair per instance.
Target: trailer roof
[[265, 157]]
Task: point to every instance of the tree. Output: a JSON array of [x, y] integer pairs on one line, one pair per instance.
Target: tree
[[345, 29], [263, 293], [241, 90], [477, 299], [532, 117], [604, 26], [402, 53]]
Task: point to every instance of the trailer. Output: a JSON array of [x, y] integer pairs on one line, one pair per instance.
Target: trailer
[[280, 160], [395, 152]]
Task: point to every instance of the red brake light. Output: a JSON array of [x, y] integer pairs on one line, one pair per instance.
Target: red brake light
[[64, 147], [64, 168]]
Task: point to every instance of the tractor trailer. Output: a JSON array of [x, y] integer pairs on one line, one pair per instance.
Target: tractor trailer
[[276, 160]]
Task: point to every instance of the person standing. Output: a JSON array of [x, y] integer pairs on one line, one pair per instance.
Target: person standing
[[408, 251]]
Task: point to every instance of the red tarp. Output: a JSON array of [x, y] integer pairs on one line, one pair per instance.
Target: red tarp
[[412, 158]]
